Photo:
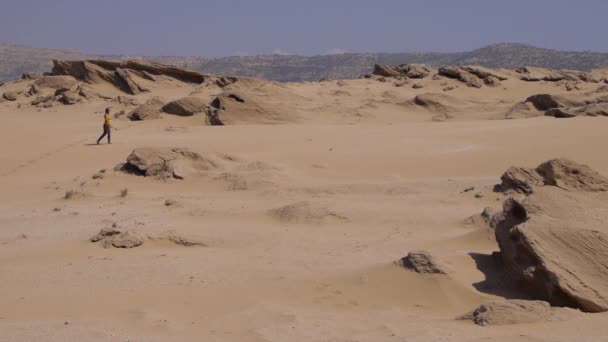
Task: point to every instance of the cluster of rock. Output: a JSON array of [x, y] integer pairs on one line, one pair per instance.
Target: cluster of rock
[[472, 76], [49, 90], [560, 106]]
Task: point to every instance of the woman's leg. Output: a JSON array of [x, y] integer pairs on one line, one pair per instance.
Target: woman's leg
[[109, 131], [103, 134]]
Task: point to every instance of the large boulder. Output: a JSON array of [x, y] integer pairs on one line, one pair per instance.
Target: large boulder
[[554, 241], [186, 106]]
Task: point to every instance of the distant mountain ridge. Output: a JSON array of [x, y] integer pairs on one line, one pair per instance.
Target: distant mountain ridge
[[15, 60]]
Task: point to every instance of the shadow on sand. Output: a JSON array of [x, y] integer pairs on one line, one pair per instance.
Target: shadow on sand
[[497, 282]]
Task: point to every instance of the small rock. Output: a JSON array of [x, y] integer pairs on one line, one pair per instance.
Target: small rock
[[420, 262]]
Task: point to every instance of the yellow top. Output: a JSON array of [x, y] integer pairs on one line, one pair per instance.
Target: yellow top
[[107, 119]]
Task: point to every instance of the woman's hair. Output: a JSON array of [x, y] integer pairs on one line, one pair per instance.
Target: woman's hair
[[107, 110]]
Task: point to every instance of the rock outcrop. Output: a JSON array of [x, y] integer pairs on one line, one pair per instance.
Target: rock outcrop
[[554, 241], [561, 106], [127, 76], [420, 262]]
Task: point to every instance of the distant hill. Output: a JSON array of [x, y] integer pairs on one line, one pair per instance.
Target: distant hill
[[14, 60]]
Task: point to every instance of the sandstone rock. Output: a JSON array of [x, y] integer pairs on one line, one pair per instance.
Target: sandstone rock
[[420, 262], [545, 102], [602, 89], [554, 242], [31, 76], [305, 213], [69, 97], [386, 71], [132, 85], [56, 82], [515, 312], [126, 240], [522, 110], [561, 113], [484, 73], [167, 163], [436, 103], [112, 237], [144, 112], [95, 70], [534, 74], [104, 233], [42, 99], [595, 109], [492, 81], [246, 107], [460, 74], [186, 106], [406, 70], [417, 86], [11, 95], [416, 71]]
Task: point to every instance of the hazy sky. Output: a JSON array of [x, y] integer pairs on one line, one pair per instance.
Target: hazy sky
[[230, 27]]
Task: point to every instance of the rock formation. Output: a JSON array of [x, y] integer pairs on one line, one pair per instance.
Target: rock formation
[[554, 241]]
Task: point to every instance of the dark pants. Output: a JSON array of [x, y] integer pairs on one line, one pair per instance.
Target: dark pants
[[106, 131]]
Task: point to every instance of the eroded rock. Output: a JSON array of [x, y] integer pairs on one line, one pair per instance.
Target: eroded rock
[[420, 262]]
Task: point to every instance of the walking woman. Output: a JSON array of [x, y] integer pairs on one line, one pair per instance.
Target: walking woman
[[107, 127]]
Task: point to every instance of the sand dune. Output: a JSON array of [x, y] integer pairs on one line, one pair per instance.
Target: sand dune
[[285, 222]]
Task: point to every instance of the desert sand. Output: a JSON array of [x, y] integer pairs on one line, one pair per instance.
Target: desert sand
[[288, 223]]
